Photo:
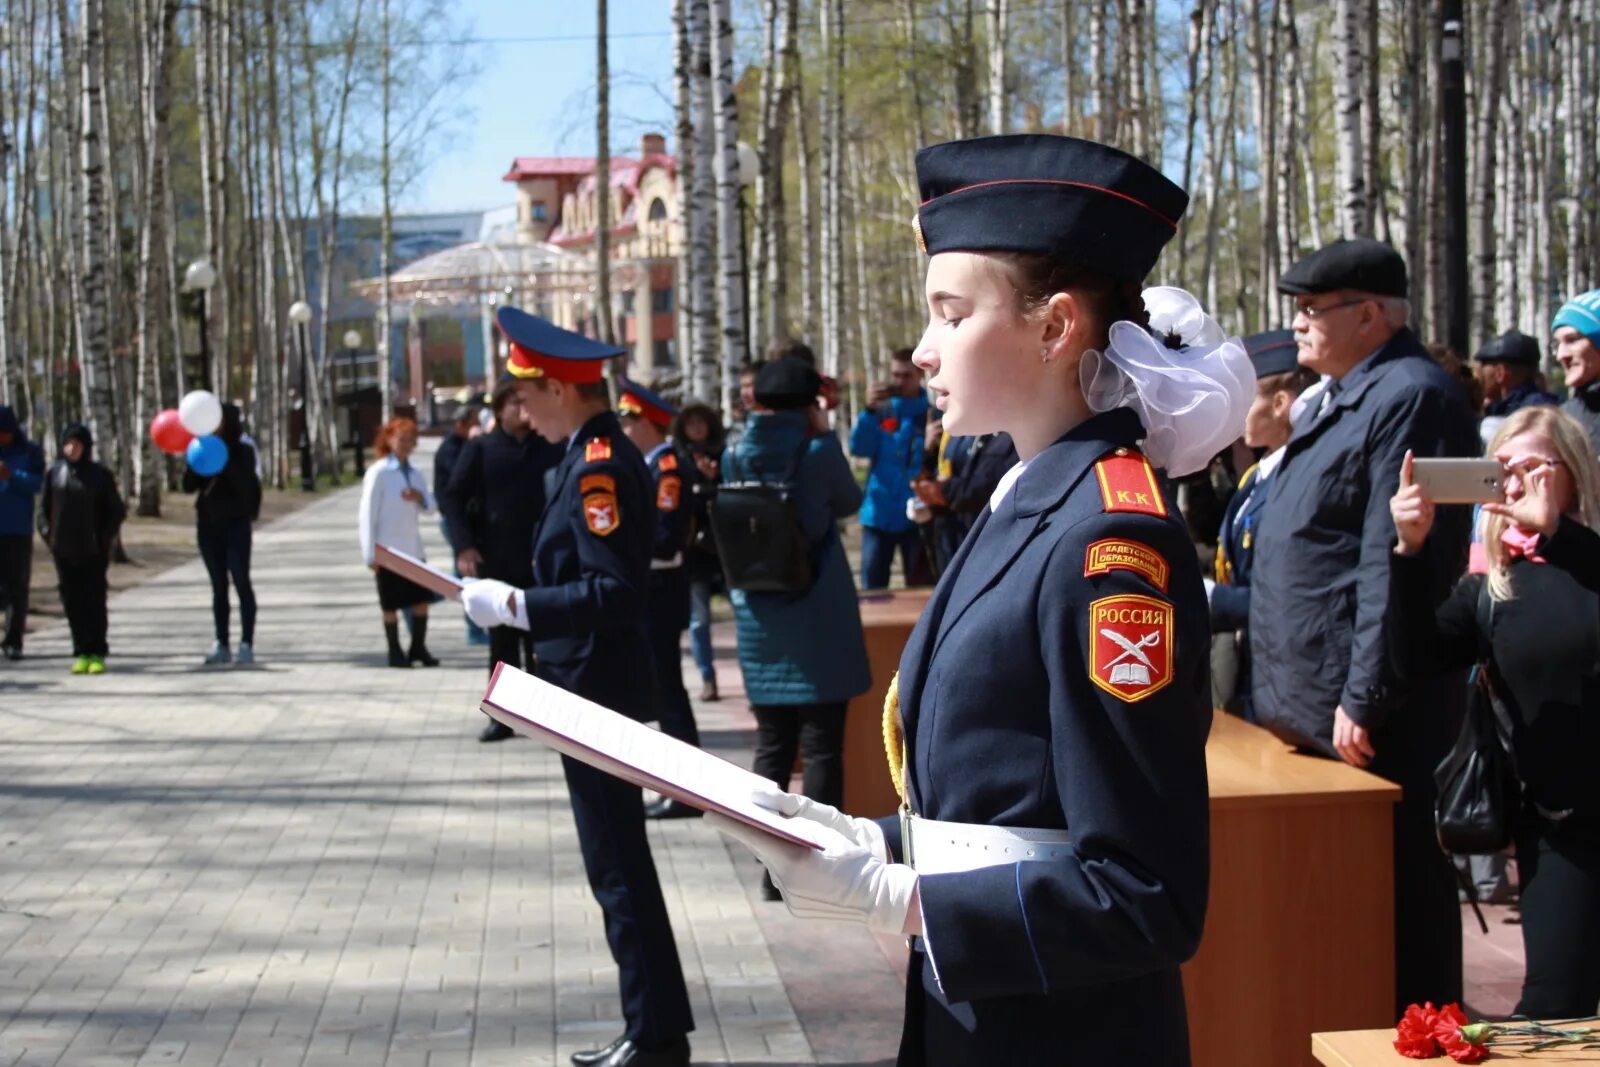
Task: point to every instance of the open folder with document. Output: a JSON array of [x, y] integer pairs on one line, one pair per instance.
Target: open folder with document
[[417, 571], [634, 752]]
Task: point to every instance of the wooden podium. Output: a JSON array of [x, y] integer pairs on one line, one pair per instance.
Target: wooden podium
[[1299, 933]]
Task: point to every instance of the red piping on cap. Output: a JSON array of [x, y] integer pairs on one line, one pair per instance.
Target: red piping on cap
[[1057, 181]]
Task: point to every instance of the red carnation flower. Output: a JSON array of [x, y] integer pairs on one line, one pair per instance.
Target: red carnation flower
[[1447, 1031], [890, 425], [1414, 1033]]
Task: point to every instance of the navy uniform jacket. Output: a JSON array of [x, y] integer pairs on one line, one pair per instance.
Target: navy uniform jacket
[[669, 588], [1020, 710], [1236, 549], [591, 566], [1320, 582]]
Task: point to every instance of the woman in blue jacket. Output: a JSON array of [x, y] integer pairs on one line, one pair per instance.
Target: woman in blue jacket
[[802, 654]]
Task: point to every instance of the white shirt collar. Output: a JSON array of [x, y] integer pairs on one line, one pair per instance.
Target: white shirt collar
[[1268, 463], [1007, 480]]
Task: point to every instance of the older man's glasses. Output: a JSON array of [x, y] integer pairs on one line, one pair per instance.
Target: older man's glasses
[[1312, 314]]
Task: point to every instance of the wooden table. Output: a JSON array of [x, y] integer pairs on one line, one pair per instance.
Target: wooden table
[[1300, 930], [1375, 1048], [886, 620]]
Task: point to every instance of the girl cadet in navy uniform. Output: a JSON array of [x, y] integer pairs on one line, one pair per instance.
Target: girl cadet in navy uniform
[[587, 612], [1051, 854]]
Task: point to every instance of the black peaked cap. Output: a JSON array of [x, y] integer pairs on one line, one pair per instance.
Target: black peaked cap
[[1272, 352], [1073, 200], [1513, 346], [786, 384], [1358, 263]]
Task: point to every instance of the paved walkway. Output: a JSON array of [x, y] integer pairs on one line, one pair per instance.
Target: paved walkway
[[314, 862]]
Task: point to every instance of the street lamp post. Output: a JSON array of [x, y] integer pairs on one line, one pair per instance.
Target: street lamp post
[[300, 315], [352, 341], [198, 279]]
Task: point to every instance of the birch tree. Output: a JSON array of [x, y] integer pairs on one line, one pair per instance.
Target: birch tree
[[730, 204], [1347, 92]]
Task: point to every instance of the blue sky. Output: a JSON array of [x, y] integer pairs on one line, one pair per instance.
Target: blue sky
[[534, 92]]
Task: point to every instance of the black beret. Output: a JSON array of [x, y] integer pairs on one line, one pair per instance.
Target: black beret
[[785, 384], [1513, 346], [1272, 352], [1076, 201], [1358, 263]]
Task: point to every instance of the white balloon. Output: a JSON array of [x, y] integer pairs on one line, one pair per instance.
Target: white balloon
[[200, 412]]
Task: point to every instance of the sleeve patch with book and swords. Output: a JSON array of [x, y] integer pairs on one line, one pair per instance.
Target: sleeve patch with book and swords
[[1130, 645]]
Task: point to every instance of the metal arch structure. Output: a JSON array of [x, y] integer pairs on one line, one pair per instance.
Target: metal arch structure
[[469, 275]]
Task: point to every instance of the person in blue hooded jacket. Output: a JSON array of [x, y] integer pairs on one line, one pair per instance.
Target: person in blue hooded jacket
[[889, 432], [21, 475]]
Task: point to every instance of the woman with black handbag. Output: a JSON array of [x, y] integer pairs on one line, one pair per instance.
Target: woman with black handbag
[[1532, 624]]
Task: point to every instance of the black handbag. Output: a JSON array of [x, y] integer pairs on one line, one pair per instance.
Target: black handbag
[[1478, 791], [759, 539]]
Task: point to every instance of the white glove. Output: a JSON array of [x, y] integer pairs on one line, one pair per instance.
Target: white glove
[[490, 602], [842, 881], [864, 832]]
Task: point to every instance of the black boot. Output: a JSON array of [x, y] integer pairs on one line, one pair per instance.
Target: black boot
[[419, 642], [397, 655]]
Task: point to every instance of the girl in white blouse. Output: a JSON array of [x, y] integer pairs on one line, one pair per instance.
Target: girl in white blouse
[[394, 494]]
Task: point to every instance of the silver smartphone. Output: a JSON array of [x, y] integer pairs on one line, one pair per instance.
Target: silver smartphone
[[1460, 481]]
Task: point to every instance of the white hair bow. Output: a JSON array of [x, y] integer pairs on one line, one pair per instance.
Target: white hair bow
[[1191, 399]]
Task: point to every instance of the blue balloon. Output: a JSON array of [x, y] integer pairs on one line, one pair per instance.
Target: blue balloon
[[207, 455]]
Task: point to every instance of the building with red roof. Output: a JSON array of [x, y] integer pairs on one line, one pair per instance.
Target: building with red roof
[[557, 202]]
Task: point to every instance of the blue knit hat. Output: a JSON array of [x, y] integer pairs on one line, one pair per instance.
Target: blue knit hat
[[1582, 313]]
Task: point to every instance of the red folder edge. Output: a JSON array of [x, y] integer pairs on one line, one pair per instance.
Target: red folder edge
[[617, 769]]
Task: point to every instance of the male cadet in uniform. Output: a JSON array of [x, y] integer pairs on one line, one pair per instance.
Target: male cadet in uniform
[[1320, 588], [1508, 369], [1279, 380], [645, 419], [586, 612], [1576, 331]]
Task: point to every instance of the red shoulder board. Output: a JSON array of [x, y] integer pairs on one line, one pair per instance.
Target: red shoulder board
[[1128, 483], [669, 461], [597, 450]]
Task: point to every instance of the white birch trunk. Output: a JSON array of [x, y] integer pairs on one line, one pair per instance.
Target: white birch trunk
[[999, 106], [1347, 90], [703, 206], [94, 359], [602, 179], [385, 239], [730, 205], [1491, 88]]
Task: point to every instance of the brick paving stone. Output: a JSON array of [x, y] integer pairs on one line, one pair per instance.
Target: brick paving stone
[[313, 861]]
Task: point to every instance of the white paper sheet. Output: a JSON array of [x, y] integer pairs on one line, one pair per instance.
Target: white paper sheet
[[419, 571], [634, 752]]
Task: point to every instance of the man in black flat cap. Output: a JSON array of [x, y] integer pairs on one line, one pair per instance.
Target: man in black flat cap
[[1320, 589], [1508, 369]]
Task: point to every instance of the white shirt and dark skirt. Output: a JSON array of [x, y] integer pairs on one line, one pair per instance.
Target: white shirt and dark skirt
[[387, 518]]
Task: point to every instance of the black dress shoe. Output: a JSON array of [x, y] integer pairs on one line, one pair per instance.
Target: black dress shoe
[[13, 652], [589, 1057], [398, 659], [496, 731], [667, 808], [628, 1054], [422, 656]]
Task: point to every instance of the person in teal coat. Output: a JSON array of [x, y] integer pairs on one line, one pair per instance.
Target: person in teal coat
[[802, 654]]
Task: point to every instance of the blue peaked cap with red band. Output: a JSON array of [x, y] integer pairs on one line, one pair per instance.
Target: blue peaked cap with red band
[[1075, 201], [635, 399], [541, 349], [1272, 352]]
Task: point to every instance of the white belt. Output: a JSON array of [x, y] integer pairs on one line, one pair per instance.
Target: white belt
[[934, 847], [667, 564]]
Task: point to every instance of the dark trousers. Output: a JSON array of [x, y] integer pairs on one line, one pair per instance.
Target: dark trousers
[[83, 598], [817, 732], [16, 570], [877, 557], [616, 855], [668, 607], [508, 644], [225, 547], [1427, 912], [1559, 867]]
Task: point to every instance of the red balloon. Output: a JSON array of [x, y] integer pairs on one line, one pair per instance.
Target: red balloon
[[167, 431]]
